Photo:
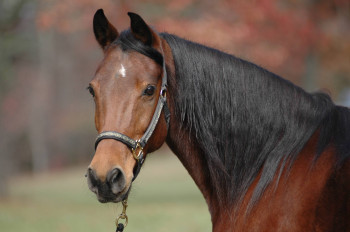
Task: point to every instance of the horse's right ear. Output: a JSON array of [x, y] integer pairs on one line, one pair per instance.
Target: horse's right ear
[[104, 31]]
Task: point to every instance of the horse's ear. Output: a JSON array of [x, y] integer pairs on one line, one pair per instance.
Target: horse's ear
[[142, 31], [104, 31]]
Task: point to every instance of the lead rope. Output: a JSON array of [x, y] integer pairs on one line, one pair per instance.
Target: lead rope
[[120, 226]]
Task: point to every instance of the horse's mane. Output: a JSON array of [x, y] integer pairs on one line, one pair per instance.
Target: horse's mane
[[249, 122]]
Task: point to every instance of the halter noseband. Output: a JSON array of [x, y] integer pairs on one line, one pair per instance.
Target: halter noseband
[[137, 146]]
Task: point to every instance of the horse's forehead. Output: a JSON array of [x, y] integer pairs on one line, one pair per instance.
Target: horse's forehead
[[125, 64], [113, 59]]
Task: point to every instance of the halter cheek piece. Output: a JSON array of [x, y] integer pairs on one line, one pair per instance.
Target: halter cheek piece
[[137, 146]]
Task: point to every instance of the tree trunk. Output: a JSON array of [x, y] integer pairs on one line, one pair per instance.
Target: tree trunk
[[39, 128]]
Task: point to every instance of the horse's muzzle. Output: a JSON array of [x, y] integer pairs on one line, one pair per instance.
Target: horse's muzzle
[[109, 190]]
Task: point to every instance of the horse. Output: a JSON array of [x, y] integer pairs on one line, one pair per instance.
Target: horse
[[265, 154]]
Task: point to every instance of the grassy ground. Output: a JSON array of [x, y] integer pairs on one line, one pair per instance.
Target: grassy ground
[[164, 198]]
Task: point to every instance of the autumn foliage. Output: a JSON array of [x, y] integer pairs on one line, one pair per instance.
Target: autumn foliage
[[46, 113]]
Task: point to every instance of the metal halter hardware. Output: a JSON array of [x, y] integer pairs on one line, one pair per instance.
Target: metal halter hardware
[[137, 146], [123, 215]]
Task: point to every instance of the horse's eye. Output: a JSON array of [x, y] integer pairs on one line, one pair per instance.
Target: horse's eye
[[91, 90], [149, 91]]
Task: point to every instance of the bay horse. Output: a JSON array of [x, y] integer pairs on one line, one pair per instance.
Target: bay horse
[[265, 154]]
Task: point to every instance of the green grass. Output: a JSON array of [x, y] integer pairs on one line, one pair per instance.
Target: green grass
[[163, 198]]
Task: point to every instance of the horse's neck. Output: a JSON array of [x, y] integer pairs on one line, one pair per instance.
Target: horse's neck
[[184, 147]]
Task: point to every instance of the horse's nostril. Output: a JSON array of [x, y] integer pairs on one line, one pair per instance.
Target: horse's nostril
[[92, 180], [116, 180]]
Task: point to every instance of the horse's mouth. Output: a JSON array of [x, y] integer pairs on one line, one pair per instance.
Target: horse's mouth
[[111, 197], [105, 195]]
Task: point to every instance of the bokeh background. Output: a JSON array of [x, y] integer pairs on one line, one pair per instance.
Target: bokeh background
[[48, 55]]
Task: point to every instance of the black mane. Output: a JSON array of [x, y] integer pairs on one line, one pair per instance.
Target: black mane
[[247, 119], [128, 42]]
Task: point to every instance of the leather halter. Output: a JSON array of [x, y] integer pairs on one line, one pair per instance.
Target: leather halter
[[137, 146]]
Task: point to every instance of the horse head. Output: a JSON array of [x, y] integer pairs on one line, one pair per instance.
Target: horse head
[[127, 88]]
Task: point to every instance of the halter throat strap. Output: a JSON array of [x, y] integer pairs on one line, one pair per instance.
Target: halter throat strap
[[137, 146]]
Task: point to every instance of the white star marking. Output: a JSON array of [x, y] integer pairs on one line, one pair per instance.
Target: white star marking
[[122, 71]]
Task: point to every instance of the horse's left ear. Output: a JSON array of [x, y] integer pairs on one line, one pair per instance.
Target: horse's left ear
[[142, 31]]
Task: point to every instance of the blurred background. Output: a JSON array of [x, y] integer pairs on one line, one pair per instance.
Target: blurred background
[[48, 55]]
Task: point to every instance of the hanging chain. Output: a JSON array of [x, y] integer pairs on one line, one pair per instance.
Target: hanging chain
[[123, 216]]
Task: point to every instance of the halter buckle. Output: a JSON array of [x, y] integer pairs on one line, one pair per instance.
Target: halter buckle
[[163, 92], [136, 154]]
